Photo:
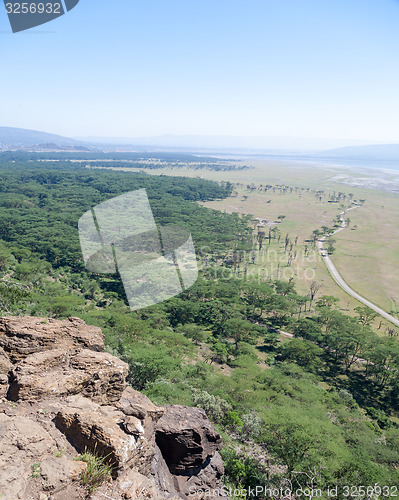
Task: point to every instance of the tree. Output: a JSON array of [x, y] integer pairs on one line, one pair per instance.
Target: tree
[[290, 442], [344, 337], [316, 235], [308, 329], [365, 314], [327, 301], [383, 357], [239, 330], [146, 364], [302, 352], [256, 295], [260, 237], [313, 289], [330, 246]]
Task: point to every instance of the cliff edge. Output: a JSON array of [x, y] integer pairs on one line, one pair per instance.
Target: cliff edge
[[61, 395]]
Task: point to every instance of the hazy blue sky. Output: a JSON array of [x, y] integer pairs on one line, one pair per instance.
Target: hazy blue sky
[[311, 68]]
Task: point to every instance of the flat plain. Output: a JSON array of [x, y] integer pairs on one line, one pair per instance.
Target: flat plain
[[367, 252]]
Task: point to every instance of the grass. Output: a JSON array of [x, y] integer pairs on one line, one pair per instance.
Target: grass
[[303, 215], [97, 472], [369, 256]]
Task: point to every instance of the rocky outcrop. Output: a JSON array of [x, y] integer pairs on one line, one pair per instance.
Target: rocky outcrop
[[186, 438], [98, 376], [20, 337], [62, 395]]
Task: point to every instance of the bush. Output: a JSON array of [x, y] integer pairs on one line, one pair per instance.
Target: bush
[[215, 407], [233, 421], [252, 426]]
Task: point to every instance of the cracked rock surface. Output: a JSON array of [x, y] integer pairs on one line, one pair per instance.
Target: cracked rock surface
[[61, 394]]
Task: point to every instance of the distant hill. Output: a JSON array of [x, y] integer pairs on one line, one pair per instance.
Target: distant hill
[[55, 148], [217, 143], [19, 137], [384, 152]]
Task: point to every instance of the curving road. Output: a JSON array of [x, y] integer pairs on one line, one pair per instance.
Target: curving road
[[338, 278]]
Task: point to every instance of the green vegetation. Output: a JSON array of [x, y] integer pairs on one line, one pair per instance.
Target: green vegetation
[[127, 160], [370, 243], [96, 473], [323, 399], [36, 470]]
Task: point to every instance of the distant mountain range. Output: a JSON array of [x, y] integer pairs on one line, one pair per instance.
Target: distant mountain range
[[223, 143], [384, 152], [33, 140], [19, 137]]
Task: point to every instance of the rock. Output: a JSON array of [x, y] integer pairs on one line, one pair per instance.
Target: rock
[[99, 376], [186, 439], [136, 404], [77, 470], [99, 429], [21, 442], [132, 425], [209, 478], [139, 487], [68, 396], [161, 474], [5, 368], [57, 473], [20, 337], [5, 363]]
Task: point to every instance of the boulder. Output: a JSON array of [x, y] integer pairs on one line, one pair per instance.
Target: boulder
[[107, 432], [161, 475], [20, 337], [136, 404], [97, 375], [187, 439]]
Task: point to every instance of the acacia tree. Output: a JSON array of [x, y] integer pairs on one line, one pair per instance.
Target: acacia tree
[[330, 246], [316, 235], [327, 301], [260, 237], [383, 364], [344, 337], [366, 315], [303, 353], [313, 289], [239, 330]]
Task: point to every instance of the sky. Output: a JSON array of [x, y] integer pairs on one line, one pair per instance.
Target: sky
[[296, 68]]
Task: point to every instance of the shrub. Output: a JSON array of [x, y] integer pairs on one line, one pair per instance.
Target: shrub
[[252, 426], [215, 407], [97, 471]]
